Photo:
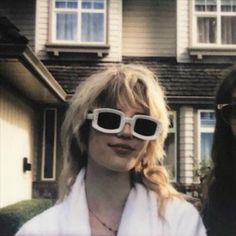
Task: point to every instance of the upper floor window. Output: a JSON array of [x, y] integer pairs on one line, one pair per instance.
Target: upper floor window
[[215, 22], [79, 21]]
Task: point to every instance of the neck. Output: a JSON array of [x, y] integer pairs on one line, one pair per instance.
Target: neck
[[106, 188]]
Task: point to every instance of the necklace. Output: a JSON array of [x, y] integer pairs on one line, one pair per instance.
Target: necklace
[[114, 231]]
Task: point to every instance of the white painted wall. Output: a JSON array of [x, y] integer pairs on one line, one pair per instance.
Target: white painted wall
[[149, 28], [114, 25], [16, 142], [186, 144]]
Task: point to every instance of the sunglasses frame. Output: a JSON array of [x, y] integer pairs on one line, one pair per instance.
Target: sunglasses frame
[[124, 120], [220, 108]]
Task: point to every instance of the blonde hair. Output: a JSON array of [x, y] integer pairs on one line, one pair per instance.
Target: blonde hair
[[125, 85]]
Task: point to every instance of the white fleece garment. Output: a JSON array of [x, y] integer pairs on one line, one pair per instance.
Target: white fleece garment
[[140, 216]]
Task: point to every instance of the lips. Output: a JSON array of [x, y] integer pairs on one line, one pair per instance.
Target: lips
[[121, 148]]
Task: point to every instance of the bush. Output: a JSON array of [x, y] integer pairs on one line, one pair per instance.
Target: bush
[[12, 217]]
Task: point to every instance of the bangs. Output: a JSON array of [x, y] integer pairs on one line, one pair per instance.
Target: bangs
[[123, 92]]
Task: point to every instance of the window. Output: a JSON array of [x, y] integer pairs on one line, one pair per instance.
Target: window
[[79, 21], [214, 22], [170, 147], [206, 120], [49, 145]]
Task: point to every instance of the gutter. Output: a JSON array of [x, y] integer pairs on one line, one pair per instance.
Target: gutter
[[32, 62]]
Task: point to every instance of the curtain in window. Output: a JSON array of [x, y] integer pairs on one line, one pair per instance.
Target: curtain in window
[[228, 30], [66, 26], [92, 27], [206, 30], [206, 144]]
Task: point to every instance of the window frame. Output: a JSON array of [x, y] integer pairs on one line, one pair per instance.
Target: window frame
[[78, 11], [218, 15], [44, 145], [174, 131], [202, 130]]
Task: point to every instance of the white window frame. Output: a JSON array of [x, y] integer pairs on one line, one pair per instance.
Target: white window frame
[[79, 10], [201, 130], [173, 130], [44, 145], [217, 14]]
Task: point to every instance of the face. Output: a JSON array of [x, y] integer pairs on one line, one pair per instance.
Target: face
[[116, 152], [233, 121]]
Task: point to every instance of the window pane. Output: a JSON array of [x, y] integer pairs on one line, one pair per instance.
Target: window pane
[[206, 144], [170, 160], [200, 5], [93, 4], [211, 5], [49, 142], [234, 5], [66, 26], [66, 4], [207, 119], [228, 30], [226, 5], [205, 5], [206, 29], [92, 27]]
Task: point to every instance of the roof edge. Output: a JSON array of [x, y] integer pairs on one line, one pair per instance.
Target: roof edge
[[40, 69]]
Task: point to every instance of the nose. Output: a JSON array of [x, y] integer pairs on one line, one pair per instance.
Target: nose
[[126, 131]]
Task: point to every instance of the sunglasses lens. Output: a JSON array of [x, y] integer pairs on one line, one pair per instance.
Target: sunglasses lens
[[145, 127], [229, 112], [109, 120]]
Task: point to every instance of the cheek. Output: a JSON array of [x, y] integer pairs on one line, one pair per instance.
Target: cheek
[[142, 147], [94, 144]]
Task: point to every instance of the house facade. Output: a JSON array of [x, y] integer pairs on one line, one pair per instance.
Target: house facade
[[189, 44]]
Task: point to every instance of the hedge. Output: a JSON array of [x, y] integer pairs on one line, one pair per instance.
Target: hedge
[[12, 217]]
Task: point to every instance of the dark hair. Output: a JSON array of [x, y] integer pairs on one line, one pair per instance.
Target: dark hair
[[222, 149]]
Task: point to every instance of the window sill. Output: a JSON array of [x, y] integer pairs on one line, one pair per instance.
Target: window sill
[[99, 50], [200, 52]]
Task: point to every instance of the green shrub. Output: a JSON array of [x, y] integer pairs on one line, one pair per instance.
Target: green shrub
[[12, 217]]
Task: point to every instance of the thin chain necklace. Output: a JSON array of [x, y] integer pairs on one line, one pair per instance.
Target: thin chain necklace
[[114, 231]]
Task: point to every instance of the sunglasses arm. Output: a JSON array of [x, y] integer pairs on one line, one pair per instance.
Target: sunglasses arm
[[220, 106], [90, 116]]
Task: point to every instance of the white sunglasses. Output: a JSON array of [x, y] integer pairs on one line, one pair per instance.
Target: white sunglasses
[[112, 121]]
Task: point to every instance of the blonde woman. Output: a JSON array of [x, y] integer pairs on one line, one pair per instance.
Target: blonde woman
[[111, 183]]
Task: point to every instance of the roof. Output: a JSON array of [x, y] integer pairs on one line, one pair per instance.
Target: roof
[[21, 68], [182, 82], [9, 33]]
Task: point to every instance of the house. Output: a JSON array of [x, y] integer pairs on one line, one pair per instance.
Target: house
[[189, 44]]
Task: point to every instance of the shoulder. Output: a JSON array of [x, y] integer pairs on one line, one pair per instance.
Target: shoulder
[[180, 207], [183, 218], [43, 224]]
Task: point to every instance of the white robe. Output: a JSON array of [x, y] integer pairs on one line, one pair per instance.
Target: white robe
[[139, 218]]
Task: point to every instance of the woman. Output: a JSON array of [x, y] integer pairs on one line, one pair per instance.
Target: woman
[[113, 137], [220, 209]]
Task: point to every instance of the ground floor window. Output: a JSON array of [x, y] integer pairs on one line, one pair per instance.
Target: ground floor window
[[206, 124], [49, 144], [170, 147]]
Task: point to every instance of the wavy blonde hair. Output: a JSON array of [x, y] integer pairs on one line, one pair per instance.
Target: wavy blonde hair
[[125, 85]]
